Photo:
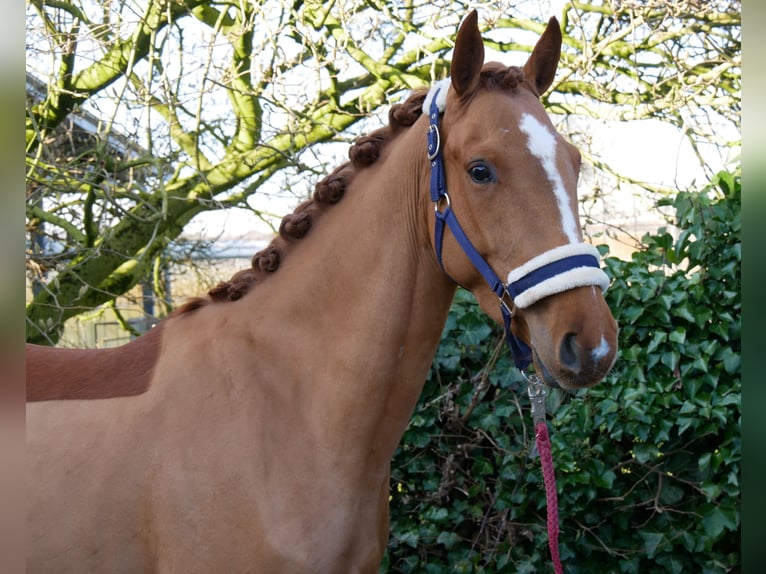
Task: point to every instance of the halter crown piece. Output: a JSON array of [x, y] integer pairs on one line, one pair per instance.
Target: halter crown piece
[[554, 271]]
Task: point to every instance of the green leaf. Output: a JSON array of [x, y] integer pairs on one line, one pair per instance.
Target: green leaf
[[645, 452], [716, 520], [678, 335], [604, 479], [671, 494], [410, 538], [448, 539], [684, 312], [658, 338], [730, 399], [473, 329], [711, 490], [731, 362], [652, 542]]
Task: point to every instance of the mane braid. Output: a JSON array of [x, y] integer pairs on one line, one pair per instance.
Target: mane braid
[[495, 75], [330, 190]]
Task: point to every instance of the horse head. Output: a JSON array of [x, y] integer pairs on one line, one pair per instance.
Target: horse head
[[512, 182]]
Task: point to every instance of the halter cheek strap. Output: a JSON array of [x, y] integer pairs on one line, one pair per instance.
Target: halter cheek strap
[[554, 271]]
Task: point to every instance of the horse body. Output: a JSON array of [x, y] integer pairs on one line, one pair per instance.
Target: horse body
[[259, 435], [262, 442]]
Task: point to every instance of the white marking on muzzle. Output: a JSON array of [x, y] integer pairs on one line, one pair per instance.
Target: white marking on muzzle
[[542, 143], [602, 350]]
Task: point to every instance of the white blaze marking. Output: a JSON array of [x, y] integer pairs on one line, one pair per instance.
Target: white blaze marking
[[542, 143], [602, 350]]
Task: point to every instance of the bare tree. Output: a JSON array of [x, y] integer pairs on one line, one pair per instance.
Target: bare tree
[[200, 105]]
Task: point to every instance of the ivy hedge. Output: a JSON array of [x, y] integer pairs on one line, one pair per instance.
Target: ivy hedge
[[647, 462]]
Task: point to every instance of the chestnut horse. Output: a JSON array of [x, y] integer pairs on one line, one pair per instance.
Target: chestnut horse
[[252, 430]]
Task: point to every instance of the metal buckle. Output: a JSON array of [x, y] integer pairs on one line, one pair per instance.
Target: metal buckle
[[503, 304], [433, 128], [537, 392]]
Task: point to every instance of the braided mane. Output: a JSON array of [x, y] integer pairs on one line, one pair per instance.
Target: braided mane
[[330, 190]]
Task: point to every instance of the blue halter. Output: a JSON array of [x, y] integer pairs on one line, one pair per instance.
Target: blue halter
[[538, 277]]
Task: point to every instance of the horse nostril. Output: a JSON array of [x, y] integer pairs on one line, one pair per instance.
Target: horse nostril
[[569, 353]]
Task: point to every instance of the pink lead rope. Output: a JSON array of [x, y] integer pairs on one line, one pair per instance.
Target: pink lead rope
[[536, 390]]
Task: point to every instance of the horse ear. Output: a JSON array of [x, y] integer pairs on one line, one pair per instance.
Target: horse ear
[[468, 57], [540, 69]]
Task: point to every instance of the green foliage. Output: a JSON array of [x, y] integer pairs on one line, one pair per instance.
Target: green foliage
[[647, 462]]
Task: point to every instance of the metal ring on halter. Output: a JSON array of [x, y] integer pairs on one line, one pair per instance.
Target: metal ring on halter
[[432, 154], [437, 203]]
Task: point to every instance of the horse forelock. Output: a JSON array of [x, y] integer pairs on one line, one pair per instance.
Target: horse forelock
[[495, 75], [328, 191]]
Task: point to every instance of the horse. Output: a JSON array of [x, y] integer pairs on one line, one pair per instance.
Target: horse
[[252, 430]]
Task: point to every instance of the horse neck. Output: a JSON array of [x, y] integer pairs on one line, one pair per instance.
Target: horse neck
[[353, 315]]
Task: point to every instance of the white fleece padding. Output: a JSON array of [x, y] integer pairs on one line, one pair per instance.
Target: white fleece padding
[[441, 100], [576, 277]]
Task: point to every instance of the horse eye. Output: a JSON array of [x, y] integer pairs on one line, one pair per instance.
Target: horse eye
[[481, 173]]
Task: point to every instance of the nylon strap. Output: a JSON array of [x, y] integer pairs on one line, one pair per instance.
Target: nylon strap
[[520, 351]]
